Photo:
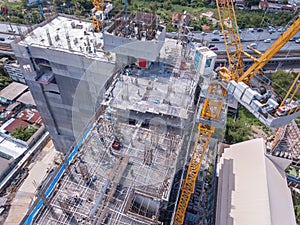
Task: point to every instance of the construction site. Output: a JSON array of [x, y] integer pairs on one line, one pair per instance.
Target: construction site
[[123, 174], [128, 167], [139, 118]]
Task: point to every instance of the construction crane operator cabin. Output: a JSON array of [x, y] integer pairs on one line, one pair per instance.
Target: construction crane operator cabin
[[137, 115]]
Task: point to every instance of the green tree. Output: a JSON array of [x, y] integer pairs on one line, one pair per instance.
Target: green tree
[[236, 131], [282, 81], [4, 80], [240, 129], [198, 3], [23, 133], [153, 6], [297, 212], [168, 5], [252, 2]]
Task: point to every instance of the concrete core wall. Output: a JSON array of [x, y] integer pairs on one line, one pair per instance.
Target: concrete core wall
[[67, 102]]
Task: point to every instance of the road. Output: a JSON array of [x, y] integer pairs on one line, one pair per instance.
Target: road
[[247, 38]]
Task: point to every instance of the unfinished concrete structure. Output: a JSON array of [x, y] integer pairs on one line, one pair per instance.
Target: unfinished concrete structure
[[60, 59], [125, 171], [138, 36], [67, 68], [129, 168]]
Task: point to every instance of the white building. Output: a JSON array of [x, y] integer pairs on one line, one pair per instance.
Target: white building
[[252, 187]]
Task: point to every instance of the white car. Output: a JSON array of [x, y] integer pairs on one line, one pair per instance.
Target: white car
[[11, 30], [298, 41], [253, 45], [267, 40]]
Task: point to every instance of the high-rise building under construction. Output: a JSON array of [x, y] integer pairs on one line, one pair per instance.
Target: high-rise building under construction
[[123, 105]]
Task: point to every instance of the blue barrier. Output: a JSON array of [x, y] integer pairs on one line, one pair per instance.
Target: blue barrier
[[53, 183], [34, 212], [293, 179], [49, 190]]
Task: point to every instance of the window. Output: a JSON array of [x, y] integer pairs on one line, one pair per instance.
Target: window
[[208, 63]]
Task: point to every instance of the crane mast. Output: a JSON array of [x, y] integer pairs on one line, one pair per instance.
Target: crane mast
[[213, 103], [232, 39], [98, 15], [211, 111]]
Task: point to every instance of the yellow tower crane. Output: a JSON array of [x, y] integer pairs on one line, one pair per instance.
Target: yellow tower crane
[[212, 106], [232, 39], [98, 15]]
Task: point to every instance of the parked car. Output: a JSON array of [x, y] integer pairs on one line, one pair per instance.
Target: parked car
[[298, 41], [2, 39], [11, 30], [253, 45], [214, 48], [293, 39], [271, 30], [215, 39], [260, 29], [280, 29], [215, 32], [267, 40], [211, 45]]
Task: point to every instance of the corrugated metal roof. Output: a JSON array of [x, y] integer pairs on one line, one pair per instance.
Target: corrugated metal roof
[[30, 115], [12, 91], [16, 123], [26, 99]]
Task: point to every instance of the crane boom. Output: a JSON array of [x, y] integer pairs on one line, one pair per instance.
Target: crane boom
[[212, 106], [271, 51]]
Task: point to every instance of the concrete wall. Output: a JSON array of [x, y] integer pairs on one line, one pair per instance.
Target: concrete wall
[[67, 104], [148, 50]]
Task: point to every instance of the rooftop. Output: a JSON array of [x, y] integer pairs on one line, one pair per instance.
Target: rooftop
[[26, 98], [31, 116], [11, 148], [165, 88], [12, 91], [67, 33], [5, 161], [181, 17], [15, 123], [247, 177]]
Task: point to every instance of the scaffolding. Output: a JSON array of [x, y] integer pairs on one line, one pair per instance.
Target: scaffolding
[[124, 172]]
